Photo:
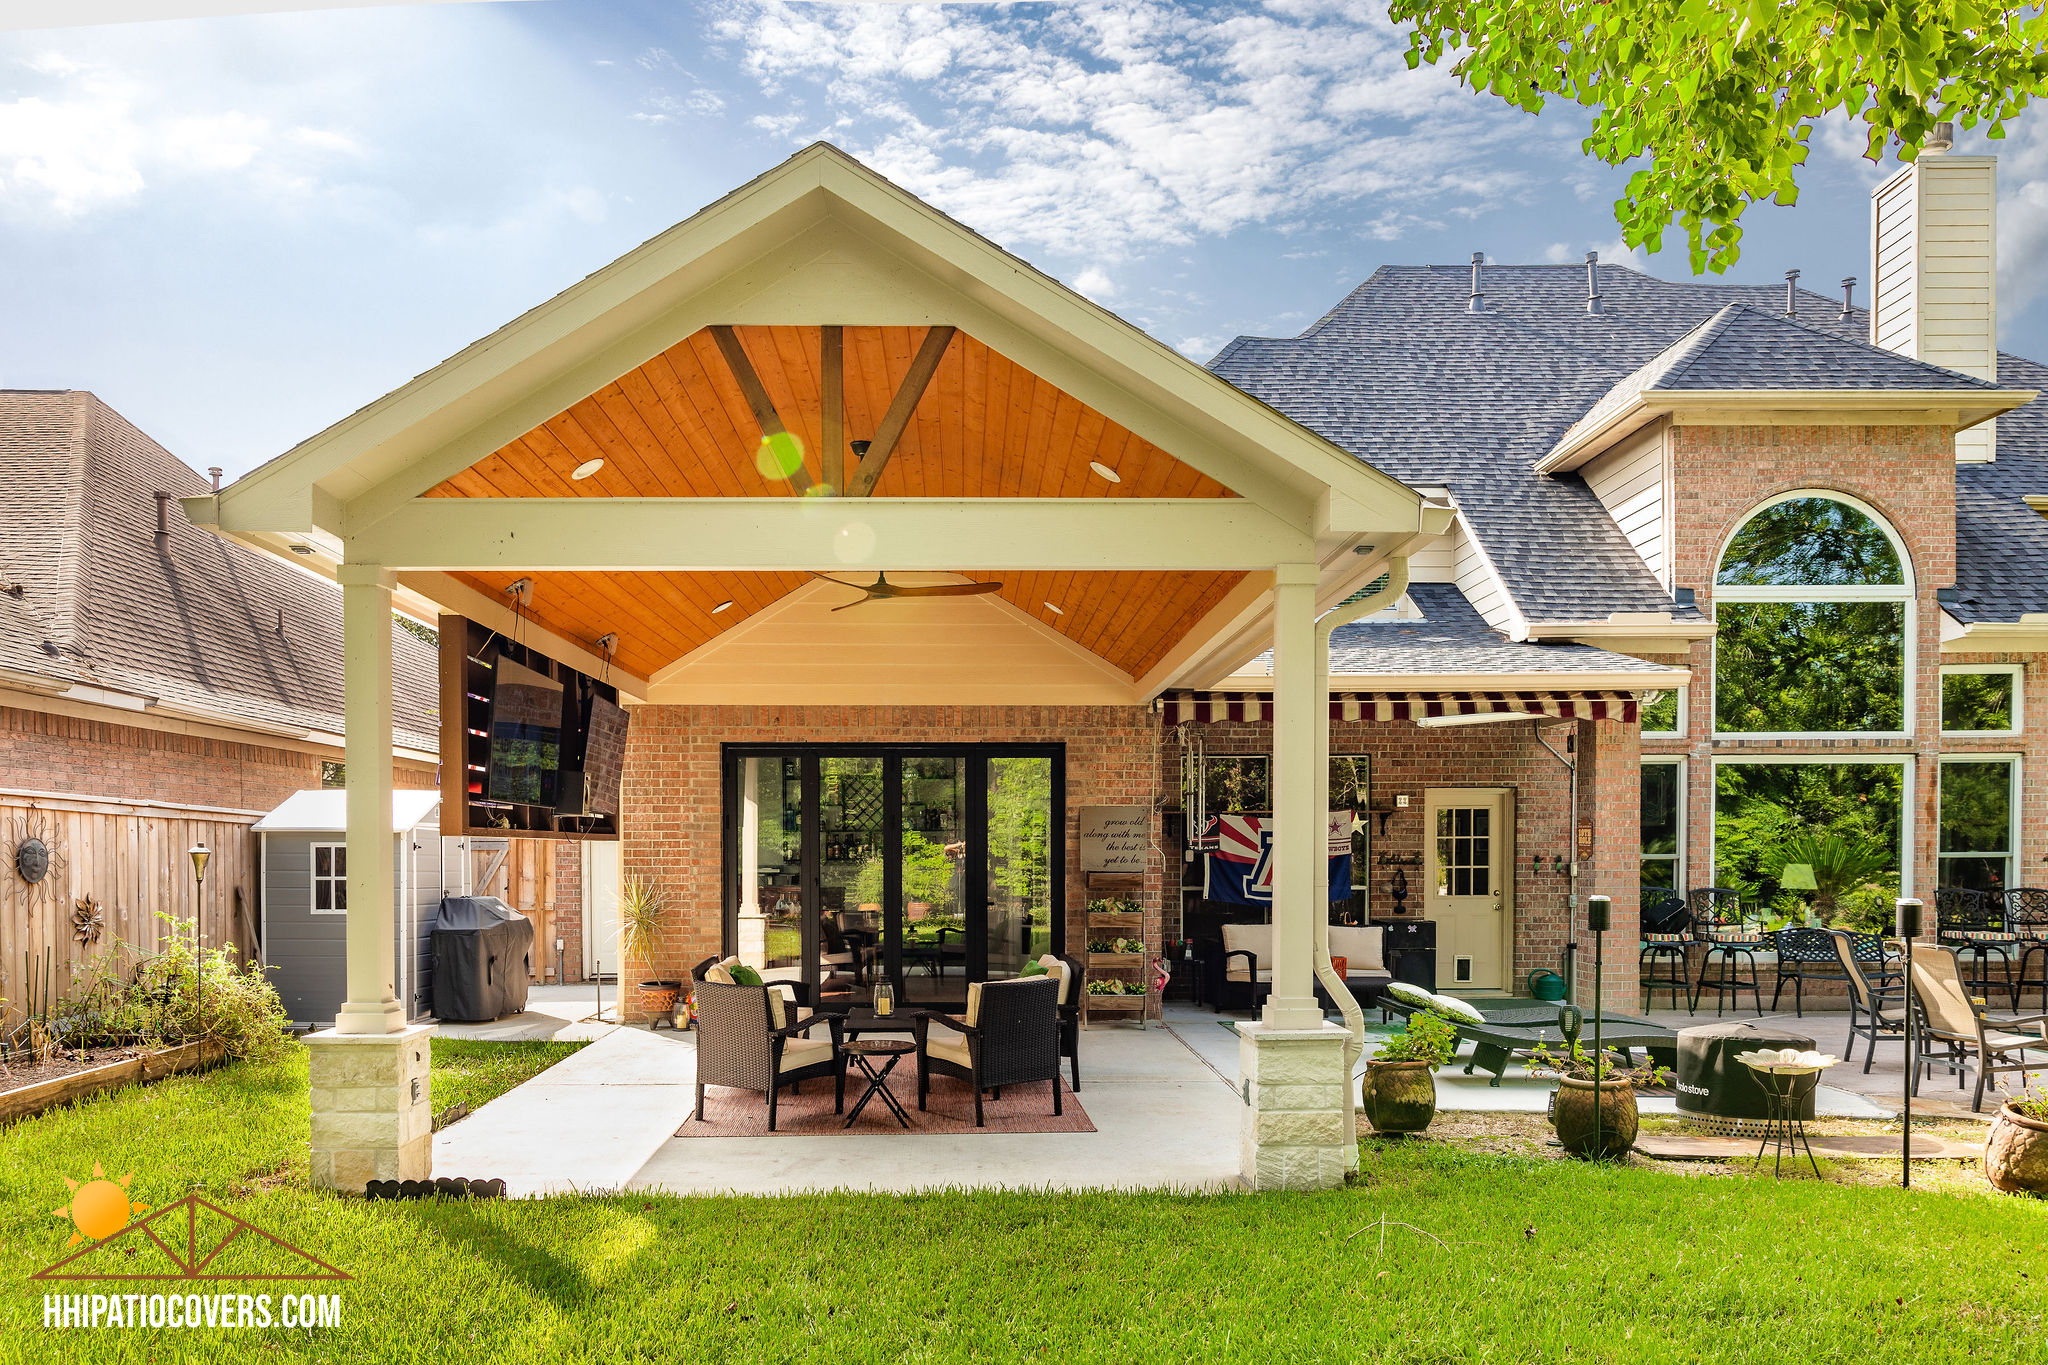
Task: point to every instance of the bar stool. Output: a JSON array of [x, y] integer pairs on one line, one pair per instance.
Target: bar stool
[[1666, 935], [1973, 922], [1717, 924], [2026, 917]]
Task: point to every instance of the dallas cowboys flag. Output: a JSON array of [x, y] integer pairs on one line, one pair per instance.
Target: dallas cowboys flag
[[1237, 858]]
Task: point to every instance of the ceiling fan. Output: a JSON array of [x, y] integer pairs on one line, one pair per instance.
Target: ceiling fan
[[882, 589]]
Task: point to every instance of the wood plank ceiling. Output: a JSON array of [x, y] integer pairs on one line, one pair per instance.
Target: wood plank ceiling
[[681, 425]]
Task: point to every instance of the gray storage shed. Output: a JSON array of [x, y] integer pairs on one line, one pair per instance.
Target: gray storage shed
[[304, 875]]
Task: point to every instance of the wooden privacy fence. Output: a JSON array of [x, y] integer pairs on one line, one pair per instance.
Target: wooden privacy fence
[[131, 858]]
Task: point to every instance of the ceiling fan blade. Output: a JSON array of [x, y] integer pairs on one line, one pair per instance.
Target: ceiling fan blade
[[946, 590]]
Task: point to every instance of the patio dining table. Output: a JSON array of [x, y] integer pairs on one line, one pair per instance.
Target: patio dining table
[[1520, 1027]]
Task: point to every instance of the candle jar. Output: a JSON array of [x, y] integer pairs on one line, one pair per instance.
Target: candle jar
[[885, 999]]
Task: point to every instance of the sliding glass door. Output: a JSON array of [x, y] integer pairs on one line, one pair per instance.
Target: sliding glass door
[[928, 866]]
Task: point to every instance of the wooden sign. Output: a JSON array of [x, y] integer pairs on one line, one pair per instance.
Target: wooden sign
[[1115, 838]]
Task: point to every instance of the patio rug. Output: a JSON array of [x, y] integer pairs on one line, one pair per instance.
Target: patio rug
[[1022, 1109]]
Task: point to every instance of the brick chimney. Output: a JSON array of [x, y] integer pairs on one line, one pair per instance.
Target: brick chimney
[[1934, 269]]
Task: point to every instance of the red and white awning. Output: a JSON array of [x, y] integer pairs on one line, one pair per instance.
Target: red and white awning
[[1258, 706]]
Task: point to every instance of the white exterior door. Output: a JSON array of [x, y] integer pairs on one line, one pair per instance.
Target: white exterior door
[[1468, 840], [600, 908]]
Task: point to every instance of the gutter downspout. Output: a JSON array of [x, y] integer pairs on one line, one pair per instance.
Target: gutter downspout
[[1342, 615]]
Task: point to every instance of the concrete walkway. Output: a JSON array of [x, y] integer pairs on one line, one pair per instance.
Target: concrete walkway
[[561, 1012], [1165, 1116]]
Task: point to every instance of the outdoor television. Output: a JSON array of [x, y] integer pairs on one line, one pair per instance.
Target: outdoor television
[[526, 735]]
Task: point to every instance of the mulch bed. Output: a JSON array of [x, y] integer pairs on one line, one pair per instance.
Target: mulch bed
[[17, 1073], [950, 1110]]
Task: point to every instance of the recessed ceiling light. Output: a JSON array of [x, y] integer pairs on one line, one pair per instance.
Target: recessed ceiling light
[[302, 549], [1054, 610], [1105, 471], [722, 606], [586, 469]]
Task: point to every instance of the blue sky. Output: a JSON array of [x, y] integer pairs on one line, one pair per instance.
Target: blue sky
[[238, 230]]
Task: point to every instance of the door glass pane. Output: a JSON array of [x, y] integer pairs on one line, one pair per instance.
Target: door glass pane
[[1464, 851], [850, 920], [771, 845], [933, 856], [1019, 863]]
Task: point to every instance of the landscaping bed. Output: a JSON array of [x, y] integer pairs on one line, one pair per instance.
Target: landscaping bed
[[73, 1076]]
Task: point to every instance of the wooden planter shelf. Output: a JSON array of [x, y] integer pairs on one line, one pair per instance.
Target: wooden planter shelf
[[1117, 1002], [1116, 961]]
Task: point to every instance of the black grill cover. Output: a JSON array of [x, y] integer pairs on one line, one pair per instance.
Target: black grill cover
[[482, 953], [1711, 1081]]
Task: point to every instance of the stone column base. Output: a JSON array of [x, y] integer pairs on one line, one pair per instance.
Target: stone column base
[[373, 1112], [1300, 1131]]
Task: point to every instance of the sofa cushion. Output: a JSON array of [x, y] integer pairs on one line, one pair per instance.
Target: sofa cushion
[[798, 1053], [949, 1046], [1251, 938], [973, 1014], [1362, 946], [744, 975], [778, 1009], [1057, 970], [719, 973], [1032, 969]]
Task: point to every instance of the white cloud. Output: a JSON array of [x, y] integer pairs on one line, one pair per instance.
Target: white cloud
[[1096, 284]]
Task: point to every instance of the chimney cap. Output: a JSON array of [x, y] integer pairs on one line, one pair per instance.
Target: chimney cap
[[1940, 138]]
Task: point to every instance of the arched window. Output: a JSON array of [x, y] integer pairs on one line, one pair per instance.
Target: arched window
[[1814, 605]]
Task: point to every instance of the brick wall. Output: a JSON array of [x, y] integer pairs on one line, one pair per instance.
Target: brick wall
[[672, 821], [1408, 760], [567, 920], [40, 751]]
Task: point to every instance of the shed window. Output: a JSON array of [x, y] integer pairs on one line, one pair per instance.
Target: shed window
[[330, 879]]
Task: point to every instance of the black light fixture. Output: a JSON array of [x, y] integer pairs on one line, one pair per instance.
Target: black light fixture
[[1906, 912], [1599, 918], [199, 854]]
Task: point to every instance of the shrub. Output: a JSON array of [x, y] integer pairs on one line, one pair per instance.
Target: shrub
[[1429, 1038]]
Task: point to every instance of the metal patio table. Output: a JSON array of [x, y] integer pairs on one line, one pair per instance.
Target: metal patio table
[[862, 1052]]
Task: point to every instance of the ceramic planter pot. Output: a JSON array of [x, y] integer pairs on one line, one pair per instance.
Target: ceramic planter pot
[[1398, 1097], [658, 998], [2016, 1153], [1573, 1118]]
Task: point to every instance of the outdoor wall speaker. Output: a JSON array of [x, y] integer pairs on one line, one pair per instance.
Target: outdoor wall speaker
[[1599, 913], [1908, 925]]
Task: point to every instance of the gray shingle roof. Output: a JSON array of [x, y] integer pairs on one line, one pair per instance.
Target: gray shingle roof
[[193, 623], [1402, 376], [1452, 637], [2001, 543]]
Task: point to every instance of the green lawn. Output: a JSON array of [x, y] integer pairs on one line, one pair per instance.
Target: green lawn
[[467, 1071], [1524, 1260]]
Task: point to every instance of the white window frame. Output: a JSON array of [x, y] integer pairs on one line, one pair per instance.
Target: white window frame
[[2012, 811], [314, 878], [1678, 858], [2017, 672], [1683, 716], [1901, 593], [1906, 763]]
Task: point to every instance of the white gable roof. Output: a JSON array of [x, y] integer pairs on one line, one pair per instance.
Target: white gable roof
[[326, 812]]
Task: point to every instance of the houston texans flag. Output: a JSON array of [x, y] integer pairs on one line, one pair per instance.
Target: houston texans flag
[[1237, 857]]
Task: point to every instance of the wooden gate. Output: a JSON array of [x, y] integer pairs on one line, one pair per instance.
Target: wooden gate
[[521, 873]]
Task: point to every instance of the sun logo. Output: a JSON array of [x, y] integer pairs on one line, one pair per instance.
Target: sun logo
[[99, 1208]]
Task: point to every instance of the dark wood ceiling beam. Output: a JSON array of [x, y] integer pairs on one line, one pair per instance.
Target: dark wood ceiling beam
[[832, 415], [901, 408], [756, 394]]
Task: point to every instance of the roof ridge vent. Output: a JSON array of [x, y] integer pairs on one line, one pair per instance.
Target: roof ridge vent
[[1791, 293], [1477, 303], [1592, 282]]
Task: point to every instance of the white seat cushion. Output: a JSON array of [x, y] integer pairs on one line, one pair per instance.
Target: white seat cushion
[[798, 1053], [973, 1014], [1361, 946], [1251, 938], [718, 972], [1057, 970], [949, 1046]]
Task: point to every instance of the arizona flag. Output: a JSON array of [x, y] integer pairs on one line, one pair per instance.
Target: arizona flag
[[1238, 857]]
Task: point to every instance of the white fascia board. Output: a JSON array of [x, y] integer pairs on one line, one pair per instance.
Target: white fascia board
[[1648, 678], [1623, 625], [838, 534], [2028, 635]]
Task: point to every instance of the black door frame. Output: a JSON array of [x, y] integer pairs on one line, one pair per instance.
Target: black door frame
[[975, 755]]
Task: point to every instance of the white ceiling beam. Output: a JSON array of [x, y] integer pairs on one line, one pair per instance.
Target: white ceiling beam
[[838, 534]]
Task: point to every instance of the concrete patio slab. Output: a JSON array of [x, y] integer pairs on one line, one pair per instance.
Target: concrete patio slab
[[565, 1013]]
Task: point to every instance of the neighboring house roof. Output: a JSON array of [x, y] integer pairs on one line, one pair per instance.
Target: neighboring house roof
[[2001, 542], [192, 626], [1450, 640], [326, 812], [1402, 375]]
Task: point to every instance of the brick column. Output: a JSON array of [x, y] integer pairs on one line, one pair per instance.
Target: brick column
[[1610, 800]]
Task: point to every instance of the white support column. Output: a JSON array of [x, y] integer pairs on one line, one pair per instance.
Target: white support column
[[753, 927], [1299, 1131], [1298, 834], [372, 1115]]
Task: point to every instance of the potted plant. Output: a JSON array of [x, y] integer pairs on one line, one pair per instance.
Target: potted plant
[[1398, 1093], [1594, 1122], [643, 913], [2016, 1152]]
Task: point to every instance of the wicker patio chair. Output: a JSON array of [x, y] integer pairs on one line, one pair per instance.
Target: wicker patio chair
[[1073, 985], [1010, 1036], [1803, 955], [1948, 1015], [1666, 934], [1973, 922], [745, 1040], [2026, 915], [1874, 1013], [1717, 924]]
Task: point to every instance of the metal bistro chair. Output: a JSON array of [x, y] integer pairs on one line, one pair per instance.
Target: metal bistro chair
[[1948, 1017], [1666, 935], [1973, 922], [1874, 1013], [1717, 923], [1803, 954], [2026, 915]]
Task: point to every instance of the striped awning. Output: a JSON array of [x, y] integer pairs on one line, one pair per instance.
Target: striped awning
[[1258, 706]]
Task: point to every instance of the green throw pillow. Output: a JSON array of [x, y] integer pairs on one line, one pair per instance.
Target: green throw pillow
[[1033, 968], [743, 975]]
